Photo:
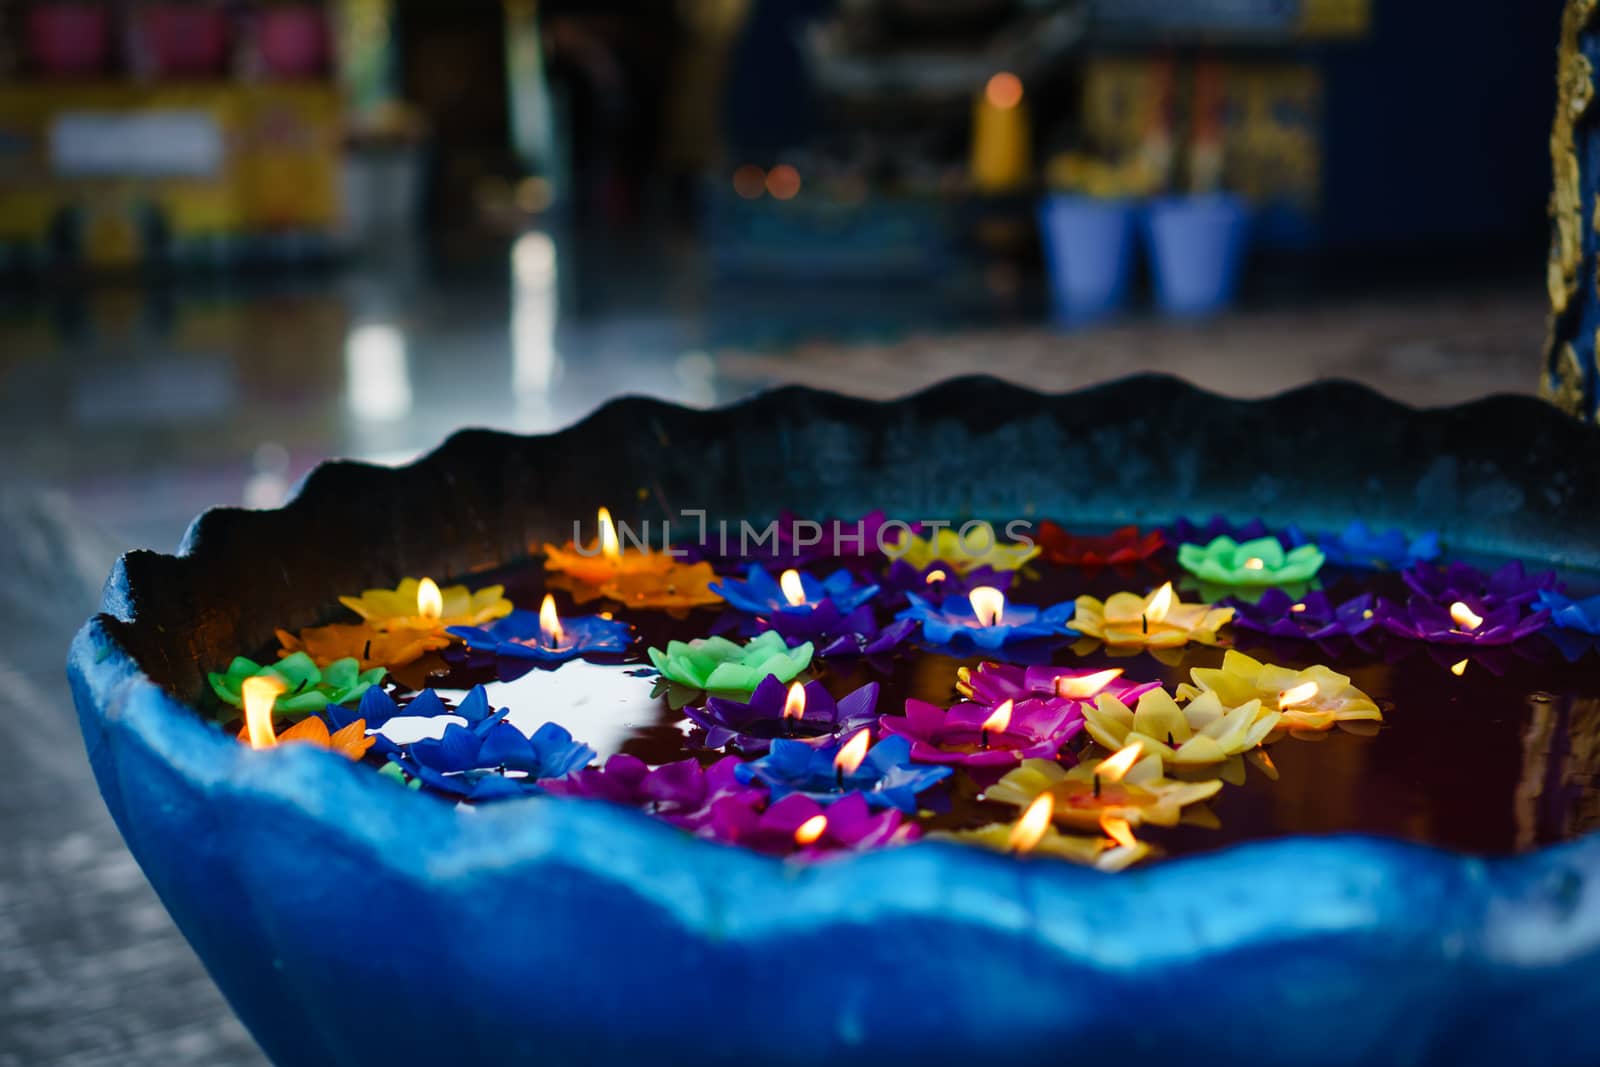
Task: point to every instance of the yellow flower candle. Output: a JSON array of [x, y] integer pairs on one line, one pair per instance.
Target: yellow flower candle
[[1034, 834], [419, 604], [1201, 733], [975, 545], [1158, 620], [1117, 787], [1311, 699]]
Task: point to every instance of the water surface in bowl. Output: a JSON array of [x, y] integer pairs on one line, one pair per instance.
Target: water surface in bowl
[[1500, 759]]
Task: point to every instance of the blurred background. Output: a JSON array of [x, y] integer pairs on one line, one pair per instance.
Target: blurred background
[[239, 236]]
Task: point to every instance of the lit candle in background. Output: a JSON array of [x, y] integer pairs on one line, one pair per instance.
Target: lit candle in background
[[988, 605], [850, 756], [1031, 827], [1002, 152]]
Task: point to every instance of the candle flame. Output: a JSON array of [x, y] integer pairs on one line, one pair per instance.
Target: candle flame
[[1118, 830], [793, 591], [1000, 719], [1160, 602], [988, 604], [1465, 617], [259, 694], [935, 575], [550, 622], [430, 602], [1003, 91], [1458, 669], [1255, 563], [1113, 767], [853, 752], [1297, 608], [1029, 830], [794, 705], [1085, 686], [808, 832], [1297, 695], [608, 536]]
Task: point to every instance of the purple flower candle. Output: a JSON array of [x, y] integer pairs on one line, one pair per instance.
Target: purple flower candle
[[939, 579], [805, 713], [546, 638], [797, 824], [1464, 622], [983, 619], [1312, 617], [978, 736], [1511, 584], [682, 793]]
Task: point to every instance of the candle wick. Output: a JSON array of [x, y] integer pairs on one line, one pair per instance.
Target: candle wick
[[1097, 787], [838, 778], [302, 685], [1144, 621], [366, 650], [983, 739], [1169, 738]]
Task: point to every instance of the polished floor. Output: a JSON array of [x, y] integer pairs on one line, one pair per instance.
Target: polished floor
[[126, 410]]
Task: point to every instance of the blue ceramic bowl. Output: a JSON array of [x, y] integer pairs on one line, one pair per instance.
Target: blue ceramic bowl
[[351, 922]]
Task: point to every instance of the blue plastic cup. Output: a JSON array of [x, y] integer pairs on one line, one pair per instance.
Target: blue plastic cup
[[1089, 248], [1197, 246]]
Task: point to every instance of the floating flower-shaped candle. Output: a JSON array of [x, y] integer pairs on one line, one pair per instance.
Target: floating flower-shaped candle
[[1510, 585], [1362, 547], [1121, 547], [1126, 786], [419, 604], [980, 736], [604, 560], [798, 824], [842, 636], [1459, 623], [1312, 617], [983, 619], [1158, 620], [674, 590], [546, 638], [883, 773], [1311, 699], [369, 648], [979, 547], [1262, 561], [681, 793], [258, 694], [716, 664], [491, 758], [792, 593], [1201, 733], [800, 712], [939, 578], [993, 682], [306, 688], [1569, 614], [1034, 833]]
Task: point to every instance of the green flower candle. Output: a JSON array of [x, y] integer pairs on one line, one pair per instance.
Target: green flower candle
[[1261, 561], [306, 689], [718, 665]]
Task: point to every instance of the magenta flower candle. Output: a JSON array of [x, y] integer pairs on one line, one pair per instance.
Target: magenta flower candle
[[993, 682], [798, 825], [682, 793], [979, 736]]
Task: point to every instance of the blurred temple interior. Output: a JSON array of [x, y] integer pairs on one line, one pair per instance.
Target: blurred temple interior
[[238, 237]]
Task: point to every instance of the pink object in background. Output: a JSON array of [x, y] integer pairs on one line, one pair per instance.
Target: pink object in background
[[292, 40], [67, 39], [185, 40]]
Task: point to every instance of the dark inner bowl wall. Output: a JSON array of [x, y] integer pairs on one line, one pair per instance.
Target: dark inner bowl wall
[[1506, 475]]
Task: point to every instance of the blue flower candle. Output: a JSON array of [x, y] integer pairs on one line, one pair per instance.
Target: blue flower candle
[[546, 638], [983, 619], [1361, 547], [794, 594], [884, 773]]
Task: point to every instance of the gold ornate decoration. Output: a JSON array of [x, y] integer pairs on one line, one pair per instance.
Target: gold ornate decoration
[[1562, 381]]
